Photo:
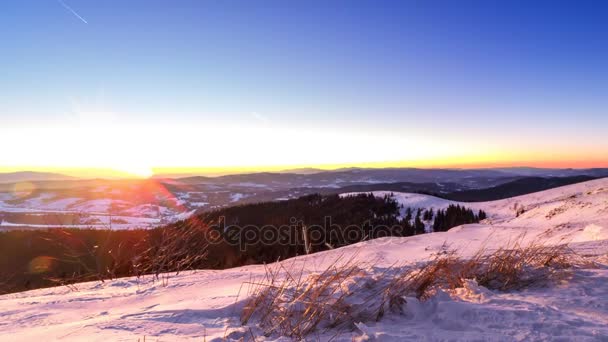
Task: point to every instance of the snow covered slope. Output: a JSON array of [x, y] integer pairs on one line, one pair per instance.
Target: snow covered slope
[[410, 200], [579, 211], [206, 305]]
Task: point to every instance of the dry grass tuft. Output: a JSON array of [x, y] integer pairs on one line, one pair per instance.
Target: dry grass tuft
[[179, 249], [293, 304], [508, 268]]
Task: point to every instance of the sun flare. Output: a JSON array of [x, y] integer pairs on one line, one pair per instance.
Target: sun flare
[[139, 171]]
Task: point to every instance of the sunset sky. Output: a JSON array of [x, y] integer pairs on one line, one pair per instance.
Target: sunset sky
[[99, 87]]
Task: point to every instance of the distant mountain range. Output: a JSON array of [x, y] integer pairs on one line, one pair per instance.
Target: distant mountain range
[[29, 176], [469, 178], [303, 171], [313, 178], [517, 187]]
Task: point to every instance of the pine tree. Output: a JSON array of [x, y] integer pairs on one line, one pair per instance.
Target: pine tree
[[408, 215], [455, 215], [418, 224], [407, 229]]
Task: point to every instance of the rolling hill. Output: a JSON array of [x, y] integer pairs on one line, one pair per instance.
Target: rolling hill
[[30, 176]]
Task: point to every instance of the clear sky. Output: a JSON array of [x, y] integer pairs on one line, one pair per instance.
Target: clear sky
[[140, 85]]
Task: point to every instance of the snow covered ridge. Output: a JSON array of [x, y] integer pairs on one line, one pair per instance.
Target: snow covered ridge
[[208, 305], [573, 209]]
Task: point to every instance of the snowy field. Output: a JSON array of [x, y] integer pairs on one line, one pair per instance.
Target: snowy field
[[206, 305], [95, 213], [101, 213]]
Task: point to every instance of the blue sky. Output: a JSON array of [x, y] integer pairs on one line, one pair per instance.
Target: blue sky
[[510, 76]]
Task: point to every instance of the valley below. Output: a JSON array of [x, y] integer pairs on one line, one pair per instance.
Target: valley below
[[150, 203]]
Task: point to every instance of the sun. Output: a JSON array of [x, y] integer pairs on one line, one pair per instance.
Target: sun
[[139, 171]]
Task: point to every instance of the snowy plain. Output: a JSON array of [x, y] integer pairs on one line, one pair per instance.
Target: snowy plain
[[205, 305]]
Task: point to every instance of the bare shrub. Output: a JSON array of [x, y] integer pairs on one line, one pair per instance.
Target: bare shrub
[[392, 295], [512, 267], [292, 304], [170, 249], [179, 248]]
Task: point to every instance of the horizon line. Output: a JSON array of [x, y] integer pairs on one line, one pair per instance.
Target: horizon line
[[180, 172]]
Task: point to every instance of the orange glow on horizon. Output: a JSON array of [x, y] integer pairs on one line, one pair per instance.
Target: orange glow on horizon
[[135, 151], [456, 163]]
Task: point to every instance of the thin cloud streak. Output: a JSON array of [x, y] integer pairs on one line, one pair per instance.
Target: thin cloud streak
[[71, 10]]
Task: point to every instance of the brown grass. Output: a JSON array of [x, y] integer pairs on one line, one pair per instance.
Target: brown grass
[[293, 304], [290, 304], [512, 267], [177, 249]]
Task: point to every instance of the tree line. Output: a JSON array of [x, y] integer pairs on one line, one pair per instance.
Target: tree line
[[41, 258]]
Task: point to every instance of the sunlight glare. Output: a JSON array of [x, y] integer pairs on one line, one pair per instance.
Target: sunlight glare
[[139, 171]]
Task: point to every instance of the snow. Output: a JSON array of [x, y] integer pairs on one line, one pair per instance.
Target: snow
[[328, 186], [7, 226], [187, 195], [250, 185], [182, 216], [235, 197], [40, 200], [100, 205], [61, 204], [144, 210], [206, 304], [566, 312], [570, 208], [413, 201], [593, 233], [97, 211]]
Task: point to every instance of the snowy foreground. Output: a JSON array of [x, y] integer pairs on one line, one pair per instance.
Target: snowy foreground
[[207, 305]]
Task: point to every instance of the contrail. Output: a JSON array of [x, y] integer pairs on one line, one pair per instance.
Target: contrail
[[71, 10]]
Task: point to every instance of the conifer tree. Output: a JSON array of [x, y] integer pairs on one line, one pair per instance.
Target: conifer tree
[[408, 215], [418, 224]]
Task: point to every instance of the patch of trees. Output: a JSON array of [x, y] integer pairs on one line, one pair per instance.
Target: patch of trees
[[415, 224], [455, 215], [268, 231]]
